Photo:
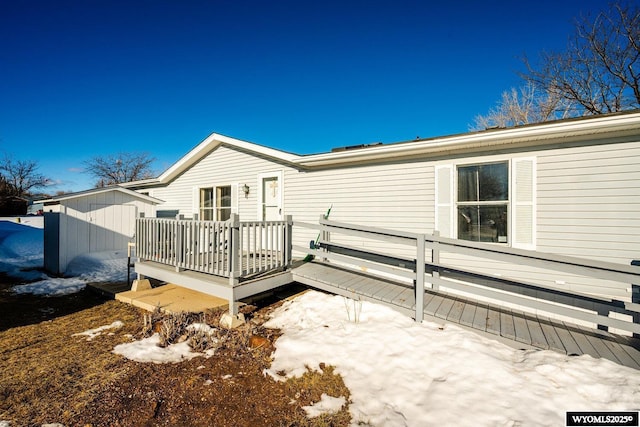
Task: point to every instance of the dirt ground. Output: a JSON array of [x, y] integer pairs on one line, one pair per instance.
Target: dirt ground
[[47, 375]]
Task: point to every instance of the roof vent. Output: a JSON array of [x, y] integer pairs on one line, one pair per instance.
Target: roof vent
[[355, 147]]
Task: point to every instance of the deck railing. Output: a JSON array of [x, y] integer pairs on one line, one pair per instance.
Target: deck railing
[[426, 267], [232, 248]]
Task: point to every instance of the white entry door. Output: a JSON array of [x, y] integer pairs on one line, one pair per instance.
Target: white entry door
[[271, 197], [270, 209]]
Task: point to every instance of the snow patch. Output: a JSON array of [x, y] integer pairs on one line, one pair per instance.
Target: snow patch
[[404, 373], [148, 350], [326, 405], [92, 333]]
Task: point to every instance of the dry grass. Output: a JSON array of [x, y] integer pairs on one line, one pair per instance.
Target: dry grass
[[48, 375], [44, 366]]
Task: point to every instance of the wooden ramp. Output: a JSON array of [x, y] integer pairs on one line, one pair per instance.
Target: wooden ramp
[[514, 328]]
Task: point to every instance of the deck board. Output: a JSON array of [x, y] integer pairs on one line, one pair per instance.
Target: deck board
[[551, 335], [511, 326], [433, 305], [493, 320], [468, 314], [570, 345], [480, 318], [520, 327], [507, 328], [537, 336], [456, 311], [444, 308]]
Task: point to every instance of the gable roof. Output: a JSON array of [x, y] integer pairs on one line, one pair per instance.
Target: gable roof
[[532, 135], [95, 191]]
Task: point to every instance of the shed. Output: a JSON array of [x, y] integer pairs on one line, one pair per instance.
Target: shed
[[97, 220]]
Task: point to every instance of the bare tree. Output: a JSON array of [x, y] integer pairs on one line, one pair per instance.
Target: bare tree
[[119, 168], [19, 177], [600, 70], [598, 73], [527, 104]]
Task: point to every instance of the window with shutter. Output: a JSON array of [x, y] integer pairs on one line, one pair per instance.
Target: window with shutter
[[491, 201]]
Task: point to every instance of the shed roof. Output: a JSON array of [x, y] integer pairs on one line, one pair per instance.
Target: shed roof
[[95, 191]]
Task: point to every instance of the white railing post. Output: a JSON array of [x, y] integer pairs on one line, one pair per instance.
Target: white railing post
[[234, 259], [234, 248], [288, 241], [178, 244], [435, 259], [324, 235], [141, 247], [419, 281]]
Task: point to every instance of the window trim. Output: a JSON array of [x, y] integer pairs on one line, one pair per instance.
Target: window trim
[[215, 201], [521, 213], [456, 204]]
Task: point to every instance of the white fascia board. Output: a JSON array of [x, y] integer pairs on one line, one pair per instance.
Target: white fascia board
[[532, 134], [211, 142], [99, 191]]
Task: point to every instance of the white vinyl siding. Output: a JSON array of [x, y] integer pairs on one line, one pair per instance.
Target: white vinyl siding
[[588, 202], [223, 166], [96, 223]]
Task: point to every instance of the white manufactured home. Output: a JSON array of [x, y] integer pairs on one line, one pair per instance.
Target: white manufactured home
[[570, 187], [91, 221], [540, 219]]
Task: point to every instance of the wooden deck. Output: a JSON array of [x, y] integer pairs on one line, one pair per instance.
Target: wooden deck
[[512, 327]]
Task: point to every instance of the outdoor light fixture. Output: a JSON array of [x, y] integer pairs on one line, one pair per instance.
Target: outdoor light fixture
[[245, 188]]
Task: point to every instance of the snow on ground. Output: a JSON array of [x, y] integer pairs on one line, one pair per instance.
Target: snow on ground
[[21, 247], [147, 350], [400, 373], [92, 333], [21, 254], [403, 373]]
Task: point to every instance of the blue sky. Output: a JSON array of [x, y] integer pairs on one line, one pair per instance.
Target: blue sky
[[95, 77]]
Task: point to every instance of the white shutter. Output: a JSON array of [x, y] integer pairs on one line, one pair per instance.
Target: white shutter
[[444, 200], [523, 217]]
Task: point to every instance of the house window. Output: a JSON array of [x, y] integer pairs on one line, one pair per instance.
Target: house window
[[206, 204], [483, 202], [223, 203]]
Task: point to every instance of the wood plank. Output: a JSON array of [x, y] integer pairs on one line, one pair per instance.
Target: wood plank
[[480, 318], [374, 288], [581, 340], [468, 313], [520, 327], [568, 342], [621, 354], [390, 292], [384, 289], [553, 339], [507, 328], [428, 296], [632, 351], [535, 331], [406, 299], [493, 320], [600, 346], [444, 307], [433, 305], [456, 311]]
